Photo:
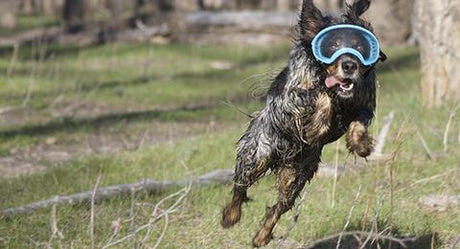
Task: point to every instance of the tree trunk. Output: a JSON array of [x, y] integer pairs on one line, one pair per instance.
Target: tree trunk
[[74, 14], [187, 5], [283, 5], [249, 4], [330, 5], [437, 28], [51, 7], [8, 9], [27, 7], [116, 12]]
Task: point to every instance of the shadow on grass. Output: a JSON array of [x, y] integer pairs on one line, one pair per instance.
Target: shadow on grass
[[30, 52], [209, 75], [90, 86], [353, 240], [184, 113]]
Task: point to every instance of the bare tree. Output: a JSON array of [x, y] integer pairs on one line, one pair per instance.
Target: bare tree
[[436, 25], [8, 9]]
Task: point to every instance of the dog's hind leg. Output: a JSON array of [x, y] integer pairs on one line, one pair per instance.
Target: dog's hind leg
[[232, 212], [291, 181], [254, 156]]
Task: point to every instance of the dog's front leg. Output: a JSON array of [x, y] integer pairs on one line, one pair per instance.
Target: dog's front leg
[[358, 139]]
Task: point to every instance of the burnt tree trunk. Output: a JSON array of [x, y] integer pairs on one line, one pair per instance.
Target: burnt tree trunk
[[437, 30], [8, 9], [74, 14]]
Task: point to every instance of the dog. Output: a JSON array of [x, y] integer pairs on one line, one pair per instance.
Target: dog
[[309, 104]]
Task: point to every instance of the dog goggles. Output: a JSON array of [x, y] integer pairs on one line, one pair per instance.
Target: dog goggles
[[334, 41]]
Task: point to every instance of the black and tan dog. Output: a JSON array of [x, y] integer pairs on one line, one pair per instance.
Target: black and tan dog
[[309, 105]]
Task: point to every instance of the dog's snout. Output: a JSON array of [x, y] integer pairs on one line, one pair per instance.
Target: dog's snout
[[349, 67]]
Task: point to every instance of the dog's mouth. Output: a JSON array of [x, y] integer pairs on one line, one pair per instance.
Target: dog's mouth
[[345, 85]]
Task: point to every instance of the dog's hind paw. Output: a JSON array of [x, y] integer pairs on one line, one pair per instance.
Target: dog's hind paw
[[230, 216], [262, 238]]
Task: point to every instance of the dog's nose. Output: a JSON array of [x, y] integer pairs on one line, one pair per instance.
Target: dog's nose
[[349, 67]]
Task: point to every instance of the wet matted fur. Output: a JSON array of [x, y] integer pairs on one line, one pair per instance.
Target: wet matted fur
[[302, 115]]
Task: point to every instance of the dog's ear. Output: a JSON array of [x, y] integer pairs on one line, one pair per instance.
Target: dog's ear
[[311, 20], [383, 56], [358, 8]]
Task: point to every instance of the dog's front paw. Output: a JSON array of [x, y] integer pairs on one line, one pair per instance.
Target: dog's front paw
[[358, 140]]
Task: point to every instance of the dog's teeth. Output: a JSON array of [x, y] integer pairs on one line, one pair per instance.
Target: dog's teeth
[[347, 87]]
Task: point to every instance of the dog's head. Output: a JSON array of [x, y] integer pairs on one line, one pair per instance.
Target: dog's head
[[345, 72]]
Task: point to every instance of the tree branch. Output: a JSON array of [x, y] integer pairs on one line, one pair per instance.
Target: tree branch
[[380, 142], [151, 186]]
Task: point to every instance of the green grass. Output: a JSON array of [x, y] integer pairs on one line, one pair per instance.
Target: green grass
[[180, 75], [73, 88], [30, 22]]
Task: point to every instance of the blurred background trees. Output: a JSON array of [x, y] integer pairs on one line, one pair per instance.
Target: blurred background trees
[[432, 24], [74, 13], [8, 10]]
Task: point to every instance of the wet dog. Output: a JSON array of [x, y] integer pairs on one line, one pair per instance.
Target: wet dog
[[309, 104]]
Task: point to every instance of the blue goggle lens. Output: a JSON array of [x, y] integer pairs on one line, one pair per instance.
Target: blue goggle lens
[[337, 40]]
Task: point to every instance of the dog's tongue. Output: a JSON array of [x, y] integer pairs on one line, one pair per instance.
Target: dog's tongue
[[332, 81]]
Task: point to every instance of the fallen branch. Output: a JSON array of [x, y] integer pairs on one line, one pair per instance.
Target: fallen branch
[[429, 154], [162, 30], [380, 142], [45, 34], [154, 217], [8, 109], [151, 186], [446, 130]]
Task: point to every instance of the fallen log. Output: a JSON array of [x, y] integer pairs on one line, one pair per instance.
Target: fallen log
[[44, 34], [151, 186]]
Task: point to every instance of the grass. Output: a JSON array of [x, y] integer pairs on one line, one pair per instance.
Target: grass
[[89, 87], [25, 23], [174, 76]]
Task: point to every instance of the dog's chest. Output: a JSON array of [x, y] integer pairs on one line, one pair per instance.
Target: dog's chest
[[315, 124]]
